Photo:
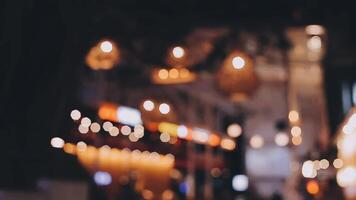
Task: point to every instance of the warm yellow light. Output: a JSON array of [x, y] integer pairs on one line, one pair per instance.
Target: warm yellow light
[[297, 140], [85, 122], [228, 144], [173, 73], [75, 114], [81, 146], [169, 128], [163, 74], [314, 43], [148, 105], [238, 62], [281, 139], [314, 30], [57, 142], [324, 164], [312, 187], [69, 148], [95, 127], [200, 135], [316, 164], [338, 163], [133, 138], [106, 46], [167, 195], [293, 116], [139, 131], [178, 52], [83, 129], [114, 131], [147, 194], [256, 141], [125, 130], [234, 130], [184, 73], [296, 131], [107, 126], [164, 137], [164, 108]]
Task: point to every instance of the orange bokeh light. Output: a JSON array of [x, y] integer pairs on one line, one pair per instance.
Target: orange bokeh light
[[313, 187], [108, 111], [214, 140]]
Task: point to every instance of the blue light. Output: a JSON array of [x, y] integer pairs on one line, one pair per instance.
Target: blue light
[[183, 187], [102, 178]]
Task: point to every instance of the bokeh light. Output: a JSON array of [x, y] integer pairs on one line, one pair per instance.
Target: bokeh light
[[234, 130]]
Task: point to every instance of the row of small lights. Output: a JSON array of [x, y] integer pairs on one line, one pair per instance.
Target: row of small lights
[[310, 168], [86, 124], [59, 143], [296, 131], [163, 108]]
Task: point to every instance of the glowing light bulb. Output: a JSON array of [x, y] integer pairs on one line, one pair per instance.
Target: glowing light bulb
[[125, 130], [338, 163], [256, 141], [228, 144], [107, 126], [148, 105], [238, 62], [114, 131], [163, 74], [57, 142], [85, 122], [132, 137], [173, 73], [83, 129], [293, 116], [164, 137], [81, 146], [296, 131], [234, 130], [297, 140], [314, 43], [314, 30], [164, 108], [312, 187], [102, 178], [75, 114], [324, 164], [178, 52], [106, 46], [346, 176], [281, 139], [95, 127], [308, 169]]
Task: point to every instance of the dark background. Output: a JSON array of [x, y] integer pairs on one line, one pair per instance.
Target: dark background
[[42, 44]]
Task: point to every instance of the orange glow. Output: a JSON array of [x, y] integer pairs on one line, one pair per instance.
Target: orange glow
[[163, 74], [214, 140], [173, 73], [228, 144], [313, 187], [297, 140], [172, 76], [108, 111], [69, 148]]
